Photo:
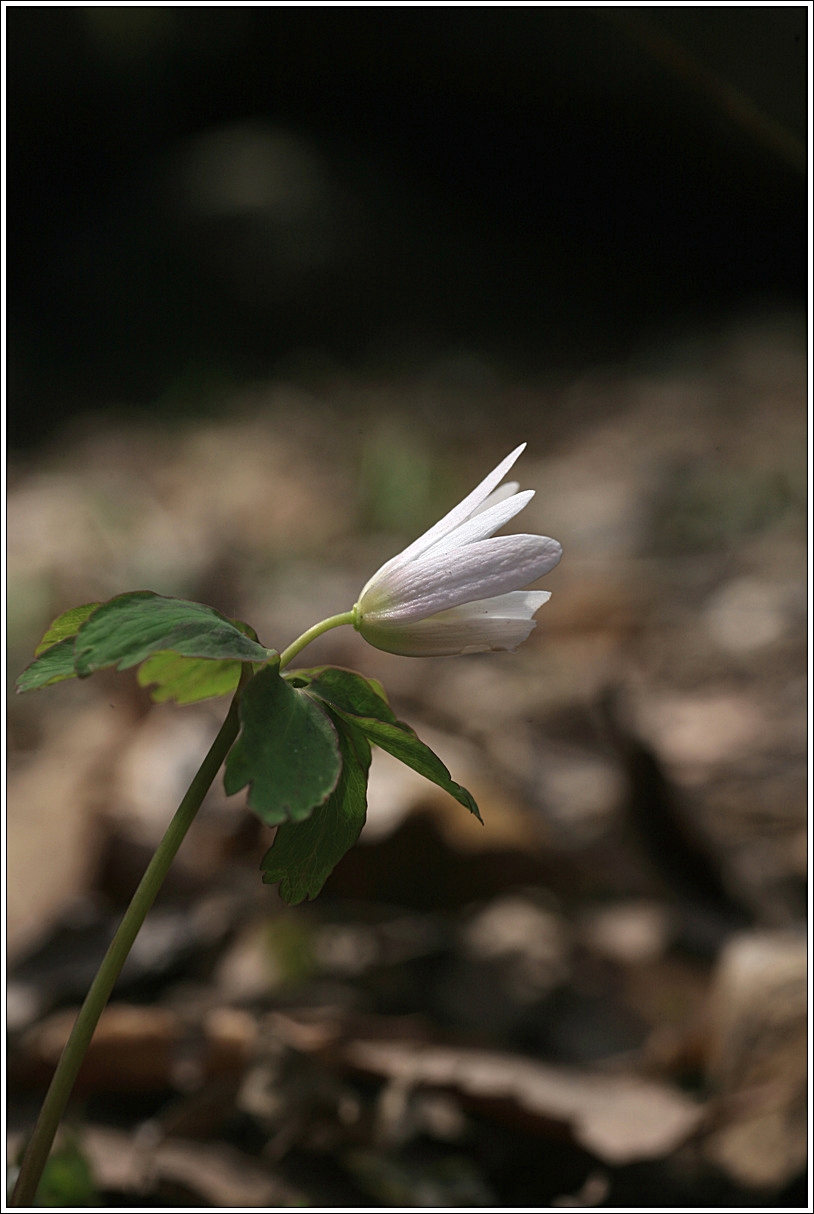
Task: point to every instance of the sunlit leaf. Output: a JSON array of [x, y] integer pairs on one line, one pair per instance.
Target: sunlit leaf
[[54, 656], [131, 627], [65, 625], [187, 680], [53, 666]]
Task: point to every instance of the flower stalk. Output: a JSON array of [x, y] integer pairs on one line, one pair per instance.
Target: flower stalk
[[311, 634], [69, 1064]]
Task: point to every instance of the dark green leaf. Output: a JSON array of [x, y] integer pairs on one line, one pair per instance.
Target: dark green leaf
[[56, 664], [359, 701], [65, 625], [401, 741], [131, 627], [304, 854], [346, 690], [187, 680], [246, 629], [288, 751]]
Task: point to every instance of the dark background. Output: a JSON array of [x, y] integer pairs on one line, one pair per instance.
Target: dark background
[[548, 187]]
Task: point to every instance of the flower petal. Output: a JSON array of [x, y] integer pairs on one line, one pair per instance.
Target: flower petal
[[499, 623], [507, 489], [516, 605], [438, 581], [484, 523], [459, 514]]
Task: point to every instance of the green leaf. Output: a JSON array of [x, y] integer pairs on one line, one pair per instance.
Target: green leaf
[[287, 751], [402, 742], [54, 656], [347, 691], [187, 680], [378, 688], [358, 700], [67, 1179], [131, 627], [304, 854], [65, 625], [56, 664], [246, 629]]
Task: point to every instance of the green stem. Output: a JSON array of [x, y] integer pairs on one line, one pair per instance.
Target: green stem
[[59, 1092], [333, 621], [65, 1075]]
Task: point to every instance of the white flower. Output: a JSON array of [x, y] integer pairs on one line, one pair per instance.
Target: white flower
[[457, 589]]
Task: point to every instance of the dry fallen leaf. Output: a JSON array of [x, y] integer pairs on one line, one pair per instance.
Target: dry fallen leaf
[[620, 1118], [131, 1049], [396, 791], [137, 1048], [758, 1058], [224, 1177], [54, 805]]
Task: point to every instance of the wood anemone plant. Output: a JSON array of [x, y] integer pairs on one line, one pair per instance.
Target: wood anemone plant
[[300, 741]]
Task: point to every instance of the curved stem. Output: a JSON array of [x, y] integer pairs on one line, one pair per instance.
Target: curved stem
[[333, 621], [65, 1075]]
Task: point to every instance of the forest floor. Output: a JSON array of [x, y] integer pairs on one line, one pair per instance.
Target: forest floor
[[598, 998]]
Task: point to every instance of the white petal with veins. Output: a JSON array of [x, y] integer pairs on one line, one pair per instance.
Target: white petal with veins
[[458, 588]]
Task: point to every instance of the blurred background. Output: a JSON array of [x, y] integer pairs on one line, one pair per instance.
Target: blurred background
[[283, 285]]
